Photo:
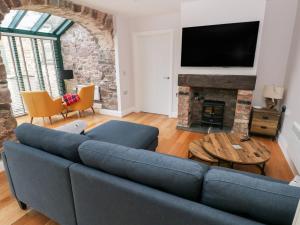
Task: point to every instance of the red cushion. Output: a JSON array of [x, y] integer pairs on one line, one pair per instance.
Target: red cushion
[[70, 99]]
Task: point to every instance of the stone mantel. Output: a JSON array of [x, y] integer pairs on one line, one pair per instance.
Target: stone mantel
[[238, 82]]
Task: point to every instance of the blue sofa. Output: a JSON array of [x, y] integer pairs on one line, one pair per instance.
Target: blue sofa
[[79, 180]]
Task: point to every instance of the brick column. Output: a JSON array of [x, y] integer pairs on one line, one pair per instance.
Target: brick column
[[243, 111], [7, 121], [184, 107]]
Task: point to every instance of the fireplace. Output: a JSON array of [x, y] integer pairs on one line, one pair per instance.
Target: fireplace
[[215, 102], [213, 113]]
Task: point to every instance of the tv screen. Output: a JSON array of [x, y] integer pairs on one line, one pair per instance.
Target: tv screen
[[226, 45]]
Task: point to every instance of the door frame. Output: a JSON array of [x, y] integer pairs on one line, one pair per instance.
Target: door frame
[[137, 90]]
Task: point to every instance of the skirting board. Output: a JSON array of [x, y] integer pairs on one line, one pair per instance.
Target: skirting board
[[116, 113], [108, 112], [1, 166], [174, 115], [284, 145], [128, 111]]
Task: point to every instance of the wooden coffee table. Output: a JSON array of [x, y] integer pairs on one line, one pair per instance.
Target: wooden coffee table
[[197, 151], [229, 148]]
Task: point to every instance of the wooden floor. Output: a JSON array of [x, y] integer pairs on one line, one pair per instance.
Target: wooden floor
[[171, 141]]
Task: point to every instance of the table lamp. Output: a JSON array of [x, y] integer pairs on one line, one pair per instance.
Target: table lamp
[[273, 94]]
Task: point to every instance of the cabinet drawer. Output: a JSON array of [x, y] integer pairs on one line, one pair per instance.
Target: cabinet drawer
[[263, 129], [266, 123], [266, 117]]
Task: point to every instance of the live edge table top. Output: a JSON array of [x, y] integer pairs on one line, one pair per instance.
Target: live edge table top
[[228, 147]]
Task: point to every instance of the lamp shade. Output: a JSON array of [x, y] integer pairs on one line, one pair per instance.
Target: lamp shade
[[67, 74], [273, 91]]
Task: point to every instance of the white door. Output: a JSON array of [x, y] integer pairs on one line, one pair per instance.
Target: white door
[[153, 71]]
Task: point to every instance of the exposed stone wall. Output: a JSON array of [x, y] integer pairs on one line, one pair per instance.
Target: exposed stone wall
[[91, 62], [98, 23], [7, 121]]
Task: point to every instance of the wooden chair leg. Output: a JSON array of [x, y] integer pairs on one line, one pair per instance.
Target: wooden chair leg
[[31, 120], [50, 120], [93, 109], [63, 115]]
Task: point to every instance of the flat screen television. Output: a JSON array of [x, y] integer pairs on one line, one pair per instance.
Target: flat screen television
[[226, 45]]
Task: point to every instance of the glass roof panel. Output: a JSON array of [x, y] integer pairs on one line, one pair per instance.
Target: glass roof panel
[[29, 20], [8, 18], [51, 24]]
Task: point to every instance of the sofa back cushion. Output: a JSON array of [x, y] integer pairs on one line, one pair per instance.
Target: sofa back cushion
[[265, 201], [177, 176], [52, 141]]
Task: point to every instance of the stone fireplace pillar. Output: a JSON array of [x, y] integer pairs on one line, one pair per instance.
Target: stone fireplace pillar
[[7, 120], [243, 111], [184, 111]]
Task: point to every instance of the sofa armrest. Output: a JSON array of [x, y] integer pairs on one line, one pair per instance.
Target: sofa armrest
[[11, 186]]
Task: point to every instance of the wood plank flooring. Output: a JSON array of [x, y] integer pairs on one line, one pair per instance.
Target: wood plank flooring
[[171, 141]]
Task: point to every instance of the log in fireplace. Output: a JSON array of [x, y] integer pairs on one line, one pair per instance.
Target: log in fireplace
[[213, 113]]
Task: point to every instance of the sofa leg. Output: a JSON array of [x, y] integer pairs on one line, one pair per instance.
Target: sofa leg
[[93, 109], [50, 120], [22, 205], [31, 120]]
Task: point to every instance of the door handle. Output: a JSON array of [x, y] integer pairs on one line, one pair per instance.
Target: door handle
[[167, 78]]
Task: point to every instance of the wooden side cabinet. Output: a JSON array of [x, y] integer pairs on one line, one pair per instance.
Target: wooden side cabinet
[[265, 122]]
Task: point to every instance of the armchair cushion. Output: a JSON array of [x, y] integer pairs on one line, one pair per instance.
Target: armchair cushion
[[40, 104]]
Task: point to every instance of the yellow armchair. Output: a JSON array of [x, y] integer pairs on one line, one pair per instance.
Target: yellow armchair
[[86, 101], [40, 104]]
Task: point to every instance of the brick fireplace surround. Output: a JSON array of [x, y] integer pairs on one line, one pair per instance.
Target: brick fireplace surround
[[243, 84]]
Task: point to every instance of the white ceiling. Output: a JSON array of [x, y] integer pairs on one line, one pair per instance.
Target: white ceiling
[[133, 8]]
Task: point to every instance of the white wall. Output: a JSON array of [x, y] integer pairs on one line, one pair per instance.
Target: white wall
[[276, 41], [210, 12], [277, 18], [288, 140], [124, 64], [163, 22], [198, 13]]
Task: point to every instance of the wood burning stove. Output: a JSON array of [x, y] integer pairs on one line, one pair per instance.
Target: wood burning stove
[[213, 113]]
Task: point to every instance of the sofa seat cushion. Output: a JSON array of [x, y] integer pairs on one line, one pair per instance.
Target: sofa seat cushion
[[177, 176], [52, 141], [125, 133], [263, 200]]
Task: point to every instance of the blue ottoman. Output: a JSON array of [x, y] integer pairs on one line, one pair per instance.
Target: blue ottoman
[[127, 134]]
